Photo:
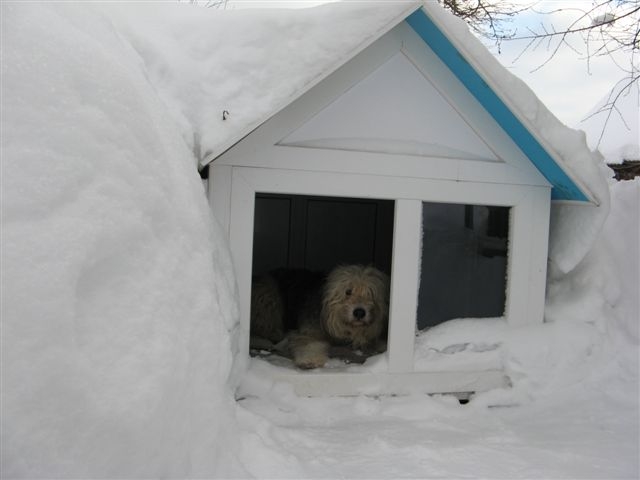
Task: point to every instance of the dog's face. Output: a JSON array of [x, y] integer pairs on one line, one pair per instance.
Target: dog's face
[[356, 303], [358, 306]]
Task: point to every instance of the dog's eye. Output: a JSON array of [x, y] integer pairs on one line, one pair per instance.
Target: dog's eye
[[348, 292]]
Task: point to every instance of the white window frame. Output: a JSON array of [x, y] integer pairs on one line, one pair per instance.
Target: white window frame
[[233, 196]]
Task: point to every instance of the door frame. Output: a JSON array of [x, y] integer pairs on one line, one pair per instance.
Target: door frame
[[232, 195]]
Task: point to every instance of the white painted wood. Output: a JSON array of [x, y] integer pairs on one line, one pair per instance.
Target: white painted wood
[[397, 188], [241, 245], [516, 169], [407, 115], [538, 256], [467, 107], [405, 281], [320, 383], [299, 111], [527, 264], [435, 16], [524, 286], [519, 243], [381, 187], [300, 158], [219, 192]]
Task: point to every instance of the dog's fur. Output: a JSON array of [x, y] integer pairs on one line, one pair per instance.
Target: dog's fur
[[347, 308]]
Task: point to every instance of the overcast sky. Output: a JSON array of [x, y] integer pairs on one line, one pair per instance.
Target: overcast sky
[[566, 84]]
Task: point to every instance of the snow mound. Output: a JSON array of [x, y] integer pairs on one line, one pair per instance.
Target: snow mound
[[250, 63], [116, 288]]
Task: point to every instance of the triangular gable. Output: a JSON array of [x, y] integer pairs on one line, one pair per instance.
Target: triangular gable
[[393, 110], [565, 186]]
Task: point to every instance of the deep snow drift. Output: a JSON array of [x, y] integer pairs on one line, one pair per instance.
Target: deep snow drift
[[112, 269], [118, 302]]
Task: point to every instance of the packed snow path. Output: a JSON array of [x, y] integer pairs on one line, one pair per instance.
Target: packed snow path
[[575, 436]]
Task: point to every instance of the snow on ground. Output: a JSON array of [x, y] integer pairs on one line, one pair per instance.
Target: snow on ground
[[112, 269], [572, 411], [118, 302]]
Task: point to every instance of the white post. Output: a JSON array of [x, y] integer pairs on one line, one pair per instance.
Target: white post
[[407, 241], [528, 239], [219, 190], [241, 244], [541, 200]]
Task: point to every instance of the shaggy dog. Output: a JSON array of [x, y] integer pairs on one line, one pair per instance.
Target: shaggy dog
[[347, 309]]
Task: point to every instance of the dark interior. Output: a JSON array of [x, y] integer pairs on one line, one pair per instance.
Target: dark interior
[[464, 247], [318, 233], [464, 262]]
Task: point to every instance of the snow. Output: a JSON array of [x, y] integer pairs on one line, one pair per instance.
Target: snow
[[112, 364], [119, 309], [572, 410], [255, 71], [249, 62], [573, 228]]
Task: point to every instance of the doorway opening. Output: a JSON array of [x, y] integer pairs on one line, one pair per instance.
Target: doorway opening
[[298, 240]]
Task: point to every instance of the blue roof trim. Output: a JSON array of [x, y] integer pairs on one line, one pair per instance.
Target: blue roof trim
[[563, 187]]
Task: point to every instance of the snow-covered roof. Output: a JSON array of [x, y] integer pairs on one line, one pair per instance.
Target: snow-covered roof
[[250, 63], [254, 63]]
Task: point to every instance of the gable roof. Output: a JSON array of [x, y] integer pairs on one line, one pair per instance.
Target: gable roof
[[258, 62], [426, 19], [506, 113]]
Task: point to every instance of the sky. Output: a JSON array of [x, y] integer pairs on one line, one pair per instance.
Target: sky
[[568, 84]]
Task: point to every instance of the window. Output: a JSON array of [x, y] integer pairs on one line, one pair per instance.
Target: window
[[464, 262]]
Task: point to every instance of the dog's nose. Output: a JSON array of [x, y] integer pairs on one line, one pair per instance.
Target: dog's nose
[[359, 313]]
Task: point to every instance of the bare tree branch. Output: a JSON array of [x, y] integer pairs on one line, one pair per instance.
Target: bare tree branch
[[606, 28]]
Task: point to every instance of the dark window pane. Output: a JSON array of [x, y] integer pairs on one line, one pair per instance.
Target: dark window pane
[[464, 262]]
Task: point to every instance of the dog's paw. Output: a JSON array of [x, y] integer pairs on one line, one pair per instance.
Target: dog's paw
[[311, 355], [309, 364]]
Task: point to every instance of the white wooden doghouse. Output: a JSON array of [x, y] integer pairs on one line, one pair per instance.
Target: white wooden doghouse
[[412, 121]]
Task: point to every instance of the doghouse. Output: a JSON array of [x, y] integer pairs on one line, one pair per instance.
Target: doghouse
[[406, 157]]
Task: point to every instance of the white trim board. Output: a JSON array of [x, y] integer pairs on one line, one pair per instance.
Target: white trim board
[[527, 252]]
